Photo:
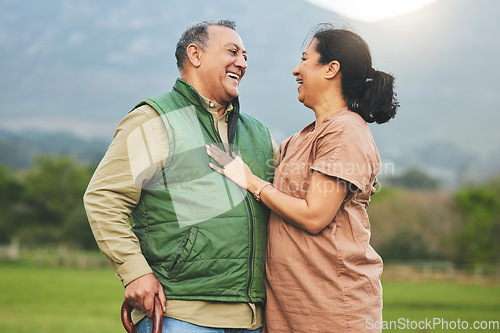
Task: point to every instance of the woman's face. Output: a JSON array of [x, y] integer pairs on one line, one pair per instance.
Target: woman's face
[[309, 75]]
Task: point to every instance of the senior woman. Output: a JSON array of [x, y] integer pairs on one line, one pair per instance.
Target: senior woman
[[322, 273]]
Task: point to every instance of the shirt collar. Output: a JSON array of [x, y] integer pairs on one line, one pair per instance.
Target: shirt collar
[[212, 106]]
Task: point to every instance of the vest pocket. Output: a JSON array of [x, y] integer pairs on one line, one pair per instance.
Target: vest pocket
[[182, 253]]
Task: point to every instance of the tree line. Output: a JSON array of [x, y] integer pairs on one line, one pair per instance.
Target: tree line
[[411, 218]]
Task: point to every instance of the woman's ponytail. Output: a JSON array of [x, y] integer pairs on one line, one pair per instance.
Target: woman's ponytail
[[377, 102]]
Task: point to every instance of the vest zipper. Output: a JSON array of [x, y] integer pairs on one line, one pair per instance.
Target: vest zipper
[[250, 261]]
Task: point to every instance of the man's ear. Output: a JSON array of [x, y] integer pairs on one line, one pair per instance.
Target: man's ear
[[194, 54], [333, 69]]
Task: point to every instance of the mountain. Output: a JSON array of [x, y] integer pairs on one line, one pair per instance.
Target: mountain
[[80, 66], [20, 150]]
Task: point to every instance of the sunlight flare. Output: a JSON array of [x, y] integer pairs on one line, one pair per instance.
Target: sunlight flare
[[371, 10]]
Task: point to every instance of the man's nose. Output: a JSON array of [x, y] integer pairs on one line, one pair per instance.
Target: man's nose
[[241, 62]]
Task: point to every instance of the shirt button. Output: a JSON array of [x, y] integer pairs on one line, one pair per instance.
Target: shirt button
[[211, 104]]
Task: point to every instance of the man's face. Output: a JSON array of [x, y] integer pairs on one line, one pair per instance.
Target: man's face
[[223, 64]]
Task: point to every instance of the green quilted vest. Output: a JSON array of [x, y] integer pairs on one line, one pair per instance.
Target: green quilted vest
[[203, 236]]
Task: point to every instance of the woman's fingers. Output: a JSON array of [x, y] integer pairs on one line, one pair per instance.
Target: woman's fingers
[[230, 166], [216, 168], [218, 155]]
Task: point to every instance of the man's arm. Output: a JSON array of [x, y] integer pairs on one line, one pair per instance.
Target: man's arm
[[115, 190]]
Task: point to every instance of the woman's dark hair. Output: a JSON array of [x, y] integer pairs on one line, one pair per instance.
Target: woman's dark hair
[[368, 92], [197, 34]]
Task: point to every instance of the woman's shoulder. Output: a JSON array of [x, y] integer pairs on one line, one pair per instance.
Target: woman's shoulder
[[350, 131], [345, 117], [348, 123]]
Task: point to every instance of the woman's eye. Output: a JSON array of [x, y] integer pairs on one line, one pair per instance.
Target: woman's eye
[[302, 58]]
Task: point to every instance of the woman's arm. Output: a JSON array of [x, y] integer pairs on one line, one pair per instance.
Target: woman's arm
[[312, 214]]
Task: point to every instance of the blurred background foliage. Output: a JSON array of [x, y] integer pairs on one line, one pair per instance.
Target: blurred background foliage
[[413, 218], [42, 205]]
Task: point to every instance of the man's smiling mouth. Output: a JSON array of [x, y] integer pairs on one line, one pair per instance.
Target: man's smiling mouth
[[233, 76]]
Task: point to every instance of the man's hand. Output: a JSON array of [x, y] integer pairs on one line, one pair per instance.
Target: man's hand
[[140, 294]]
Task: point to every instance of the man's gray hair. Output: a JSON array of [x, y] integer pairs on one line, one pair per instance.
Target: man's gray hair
[[197, 34]]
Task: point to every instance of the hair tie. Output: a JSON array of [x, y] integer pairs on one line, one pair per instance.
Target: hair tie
[[370, 74]]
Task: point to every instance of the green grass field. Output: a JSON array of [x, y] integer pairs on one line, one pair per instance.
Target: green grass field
[[416, 302], [69, 300], [43, 300]]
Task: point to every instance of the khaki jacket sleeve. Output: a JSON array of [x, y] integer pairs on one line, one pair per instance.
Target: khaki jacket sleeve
[[115, 190], [276, 152]]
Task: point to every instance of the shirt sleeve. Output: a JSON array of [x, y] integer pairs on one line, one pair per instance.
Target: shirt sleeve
[[115, 189], [341, 154]]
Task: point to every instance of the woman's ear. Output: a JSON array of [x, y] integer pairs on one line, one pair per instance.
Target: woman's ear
[[333, 69], [194, 55]]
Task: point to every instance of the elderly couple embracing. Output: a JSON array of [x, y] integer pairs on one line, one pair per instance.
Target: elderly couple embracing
[[234, 232]]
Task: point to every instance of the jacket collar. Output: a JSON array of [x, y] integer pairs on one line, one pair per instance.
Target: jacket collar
[[186, 90], [189, 93]]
